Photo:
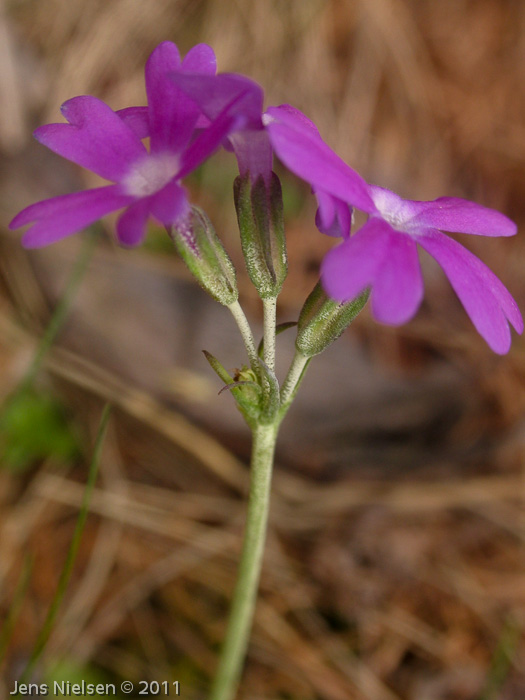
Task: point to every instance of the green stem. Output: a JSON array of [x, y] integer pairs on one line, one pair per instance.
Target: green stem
[[61, 310], [270, 314], [293, 379], [8, 627], [245, 594], [71, 556], [247, 335]]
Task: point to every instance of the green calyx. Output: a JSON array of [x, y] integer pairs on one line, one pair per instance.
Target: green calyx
[[260, 215], [244, 388], [258, 404], [202, 251], [322, 320]]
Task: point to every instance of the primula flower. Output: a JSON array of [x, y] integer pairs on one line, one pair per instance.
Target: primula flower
[[109, 143], [383, 254]]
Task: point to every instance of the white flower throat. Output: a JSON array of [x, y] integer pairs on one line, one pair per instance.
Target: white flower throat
[[151, 174], [395, 210]]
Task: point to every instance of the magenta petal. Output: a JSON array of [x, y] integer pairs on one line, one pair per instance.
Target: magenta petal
[[57, 205], [303, 151], [293, 117], [200, 59], [169, 204], [131, 226], [61, 216], [96, 138], [136, 118], [172, 115], [397, 290], [333, 217], [485, 298], [209, 140], [202, 122], [462, 216], [214, 93], [351, 267], [254, 153]]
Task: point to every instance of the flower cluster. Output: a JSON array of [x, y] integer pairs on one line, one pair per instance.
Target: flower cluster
[[191, 112]]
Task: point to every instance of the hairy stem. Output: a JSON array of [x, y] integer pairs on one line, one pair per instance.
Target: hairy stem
[[245, 594], [247, 335], [270, 312], [293, 379]]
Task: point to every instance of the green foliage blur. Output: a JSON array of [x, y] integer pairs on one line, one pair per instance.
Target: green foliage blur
[[33, 427]]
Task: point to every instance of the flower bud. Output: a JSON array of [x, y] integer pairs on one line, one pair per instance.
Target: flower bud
[[322, 320], [204, 254], [260, 215]]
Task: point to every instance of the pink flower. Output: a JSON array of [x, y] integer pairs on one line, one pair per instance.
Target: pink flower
[[109, 143], [383, 254]]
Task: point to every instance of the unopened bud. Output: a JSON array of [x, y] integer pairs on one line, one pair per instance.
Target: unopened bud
[[322, 320], [260, 215], [202, 251]]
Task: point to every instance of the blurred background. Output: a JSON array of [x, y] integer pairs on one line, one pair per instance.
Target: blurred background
[[395, 562]]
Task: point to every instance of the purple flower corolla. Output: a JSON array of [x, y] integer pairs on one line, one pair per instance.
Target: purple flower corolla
[[243, 97], [109, 143], [383, 254], [253, 143]]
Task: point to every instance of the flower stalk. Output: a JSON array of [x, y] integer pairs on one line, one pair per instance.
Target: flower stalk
[[246, 334], [245, 594], [293, 379], [270, 312]]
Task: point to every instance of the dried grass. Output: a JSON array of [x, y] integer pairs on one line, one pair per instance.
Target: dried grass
[[379, 583]]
